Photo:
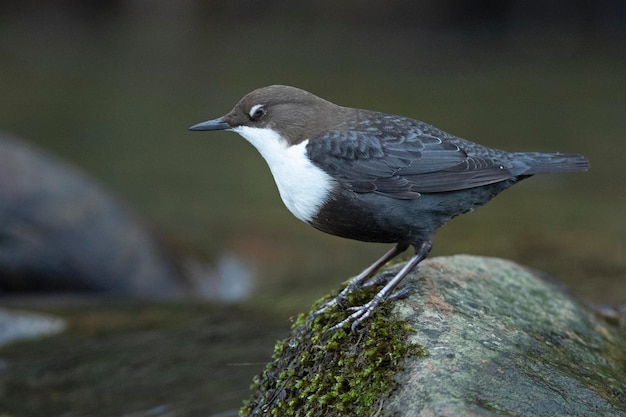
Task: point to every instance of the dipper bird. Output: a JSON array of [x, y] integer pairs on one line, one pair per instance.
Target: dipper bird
[[372, 176]]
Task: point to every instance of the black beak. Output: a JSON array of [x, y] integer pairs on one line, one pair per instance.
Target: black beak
[[215, 124]]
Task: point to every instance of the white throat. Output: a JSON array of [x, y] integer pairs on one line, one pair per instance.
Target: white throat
[[303, 187]]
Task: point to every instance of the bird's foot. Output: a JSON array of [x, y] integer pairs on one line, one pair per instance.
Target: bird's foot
[[361, 313], [378, 280], [311, 317], [353, 285], [338, 300], [402, 293], [358, 281], [387, 292]]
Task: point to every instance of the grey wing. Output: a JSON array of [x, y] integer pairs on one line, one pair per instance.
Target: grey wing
[[401, 167]]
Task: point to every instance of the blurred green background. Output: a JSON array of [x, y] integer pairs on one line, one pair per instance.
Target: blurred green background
[[112, 86]]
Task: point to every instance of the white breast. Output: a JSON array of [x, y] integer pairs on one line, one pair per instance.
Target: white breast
[[303, 186]]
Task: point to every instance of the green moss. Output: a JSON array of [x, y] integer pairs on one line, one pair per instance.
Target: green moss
[[342, 373]]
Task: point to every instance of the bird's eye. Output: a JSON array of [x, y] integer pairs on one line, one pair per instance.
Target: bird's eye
[[256, 112]]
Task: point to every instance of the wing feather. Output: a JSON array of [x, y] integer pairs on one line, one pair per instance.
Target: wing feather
[[402, 167]]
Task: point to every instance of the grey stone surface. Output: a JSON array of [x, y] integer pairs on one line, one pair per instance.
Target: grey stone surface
[[61, 231], [502, 341]]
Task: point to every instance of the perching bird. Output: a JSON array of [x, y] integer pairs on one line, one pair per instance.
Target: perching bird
[[372, 176]]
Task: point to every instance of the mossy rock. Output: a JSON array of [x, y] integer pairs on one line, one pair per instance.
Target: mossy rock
[[315, 372], [477, 337]]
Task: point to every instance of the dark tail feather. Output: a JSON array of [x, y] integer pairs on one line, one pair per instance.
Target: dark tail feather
[[530, 163]]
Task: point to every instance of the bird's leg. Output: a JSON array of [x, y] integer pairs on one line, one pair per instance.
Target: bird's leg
[[378, 280], [358, 281], [363, 312]]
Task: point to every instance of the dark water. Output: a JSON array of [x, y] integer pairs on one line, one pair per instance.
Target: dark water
[[114, 92]]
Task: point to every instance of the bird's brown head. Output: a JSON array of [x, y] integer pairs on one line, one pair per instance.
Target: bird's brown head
[[294, 113]]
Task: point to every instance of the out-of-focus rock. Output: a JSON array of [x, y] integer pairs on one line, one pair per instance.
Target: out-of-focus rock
[[61, 231]]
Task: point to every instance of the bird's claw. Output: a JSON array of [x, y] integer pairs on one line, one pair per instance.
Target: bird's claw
[[401, 293], [360, 314], [311, 317], [337, 301], [386, 293]]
